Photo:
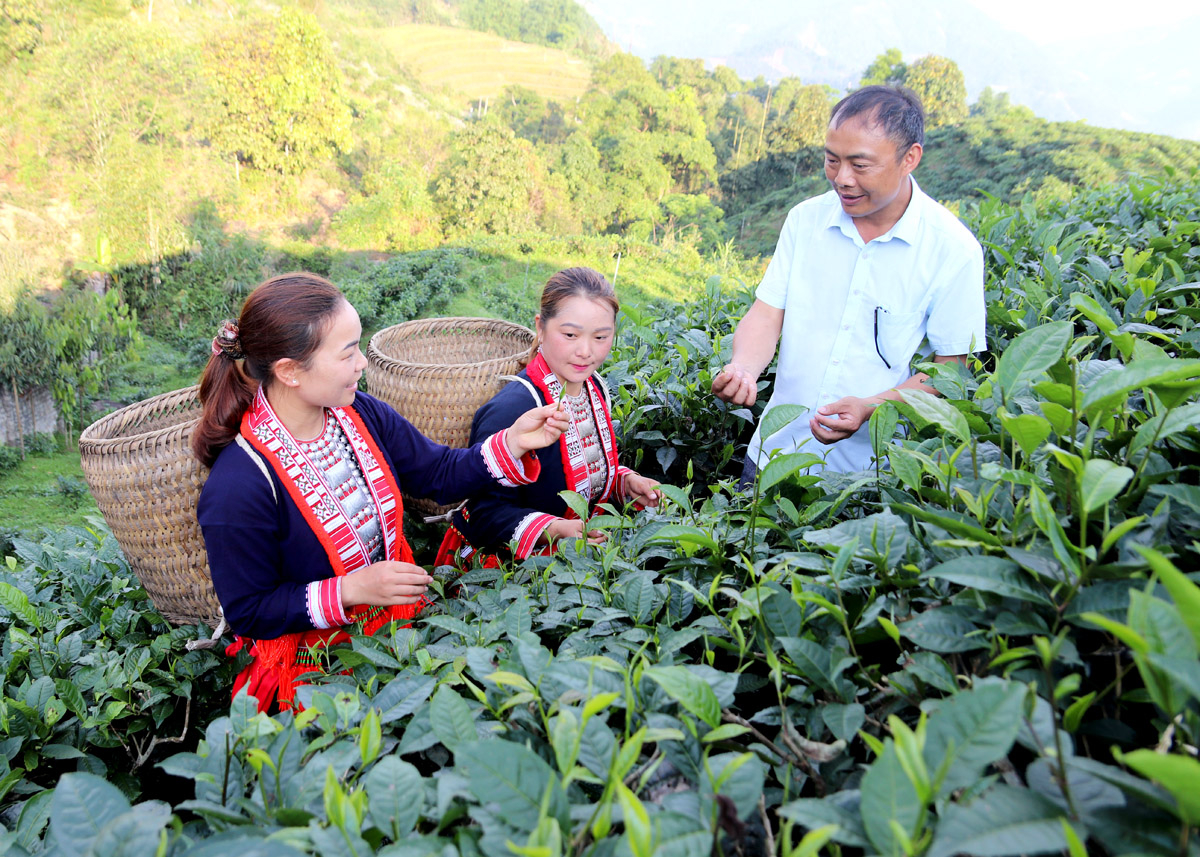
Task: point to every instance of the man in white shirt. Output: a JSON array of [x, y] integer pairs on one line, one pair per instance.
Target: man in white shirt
[[862, 276]]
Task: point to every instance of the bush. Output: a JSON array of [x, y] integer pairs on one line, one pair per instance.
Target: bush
[[407, 286], [94, 678], [41, 443], [10, 458]]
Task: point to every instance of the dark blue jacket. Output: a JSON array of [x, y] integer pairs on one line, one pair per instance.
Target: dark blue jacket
[[492, 514]]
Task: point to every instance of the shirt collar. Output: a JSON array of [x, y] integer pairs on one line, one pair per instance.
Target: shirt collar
[[905, 228], [910, 221]]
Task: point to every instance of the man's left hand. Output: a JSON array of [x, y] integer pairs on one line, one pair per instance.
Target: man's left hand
[[838, 420]]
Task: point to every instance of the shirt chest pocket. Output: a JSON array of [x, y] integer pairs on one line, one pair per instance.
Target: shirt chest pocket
[[897, 335]]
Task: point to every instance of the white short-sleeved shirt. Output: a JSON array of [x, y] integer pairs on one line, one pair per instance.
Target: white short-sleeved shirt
[[920, 282]]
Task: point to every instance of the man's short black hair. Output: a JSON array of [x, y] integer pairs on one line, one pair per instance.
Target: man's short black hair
[[895, 109]]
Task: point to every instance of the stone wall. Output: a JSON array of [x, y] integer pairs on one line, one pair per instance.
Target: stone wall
[[38, 414]]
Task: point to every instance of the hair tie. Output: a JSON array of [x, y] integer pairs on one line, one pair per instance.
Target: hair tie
[[228, 341]]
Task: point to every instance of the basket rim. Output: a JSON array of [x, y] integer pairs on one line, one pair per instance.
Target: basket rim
[[374, 350], [96, 435]]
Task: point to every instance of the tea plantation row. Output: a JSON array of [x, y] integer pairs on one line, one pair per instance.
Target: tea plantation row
[[986, 645]]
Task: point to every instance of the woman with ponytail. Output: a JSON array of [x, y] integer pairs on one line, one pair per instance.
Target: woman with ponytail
[[301, 512], [575, 330]]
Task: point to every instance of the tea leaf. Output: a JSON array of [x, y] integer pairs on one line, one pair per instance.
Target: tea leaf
[[941, 631], [775, 420], [990, 574], [82, 805], [888, 795], [514, 778], [451, 718], [1006, 820], [1102, 481], [815, 813], [972, 729], [690, 691], [1177, 774], [844, 721], [1110, 390], [395, 796], [1031, 354], [938, 412], [1028, 430], [1184, 593], [781, 467]]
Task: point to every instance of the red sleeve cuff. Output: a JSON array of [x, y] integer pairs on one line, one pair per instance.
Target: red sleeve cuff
[[324, 603], [529, 530], [508, 471]]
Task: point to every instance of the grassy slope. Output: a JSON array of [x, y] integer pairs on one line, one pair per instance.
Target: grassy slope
[[32, 495], [479, 65]]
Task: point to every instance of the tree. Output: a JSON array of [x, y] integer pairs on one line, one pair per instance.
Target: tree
[[991, 104], [578, 163], [651, 141], [278, 94], [939, 83], [494, 181], [801, 115], [25, 360], [888, 69]]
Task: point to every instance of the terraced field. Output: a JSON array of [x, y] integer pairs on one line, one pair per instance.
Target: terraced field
[[479, 65]]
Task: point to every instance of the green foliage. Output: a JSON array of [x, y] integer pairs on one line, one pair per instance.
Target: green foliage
[[1012, 153], [493, 182], [801, 116], [393, 213], [887, 69], [407, 286], [650, 140], [940, 85], [10, 458], [93, 678], [278, 101], [92, 335], [986, 644], [555, 23], [20, 27], [72, 348]]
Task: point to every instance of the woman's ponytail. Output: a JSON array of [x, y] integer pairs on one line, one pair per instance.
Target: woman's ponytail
[[285, 317], [226, 394]]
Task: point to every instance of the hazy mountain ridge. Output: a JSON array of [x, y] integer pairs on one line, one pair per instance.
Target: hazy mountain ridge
[[1097, 81]]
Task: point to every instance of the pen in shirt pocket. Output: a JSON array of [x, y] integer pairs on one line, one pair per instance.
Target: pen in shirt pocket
[[878, 311]]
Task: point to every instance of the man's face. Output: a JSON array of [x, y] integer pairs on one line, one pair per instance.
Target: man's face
[[868, 173]]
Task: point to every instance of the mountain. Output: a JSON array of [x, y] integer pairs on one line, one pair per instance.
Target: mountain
[[1120, 81]]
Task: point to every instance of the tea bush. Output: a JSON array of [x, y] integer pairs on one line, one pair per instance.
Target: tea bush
[[987, 644]]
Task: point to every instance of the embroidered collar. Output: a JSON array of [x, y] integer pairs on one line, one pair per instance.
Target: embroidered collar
[[574, 462]]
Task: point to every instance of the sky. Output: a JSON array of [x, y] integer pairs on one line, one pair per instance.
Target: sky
[[1048, 21]]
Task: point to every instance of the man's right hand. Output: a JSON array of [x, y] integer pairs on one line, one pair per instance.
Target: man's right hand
[[736, 384]]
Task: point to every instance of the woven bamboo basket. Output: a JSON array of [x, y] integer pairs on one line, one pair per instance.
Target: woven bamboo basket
[[437, 372], [139, 465]]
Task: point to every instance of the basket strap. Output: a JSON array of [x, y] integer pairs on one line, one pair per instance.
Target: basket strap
[[603, 389], [537, 400], [258, 460]]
